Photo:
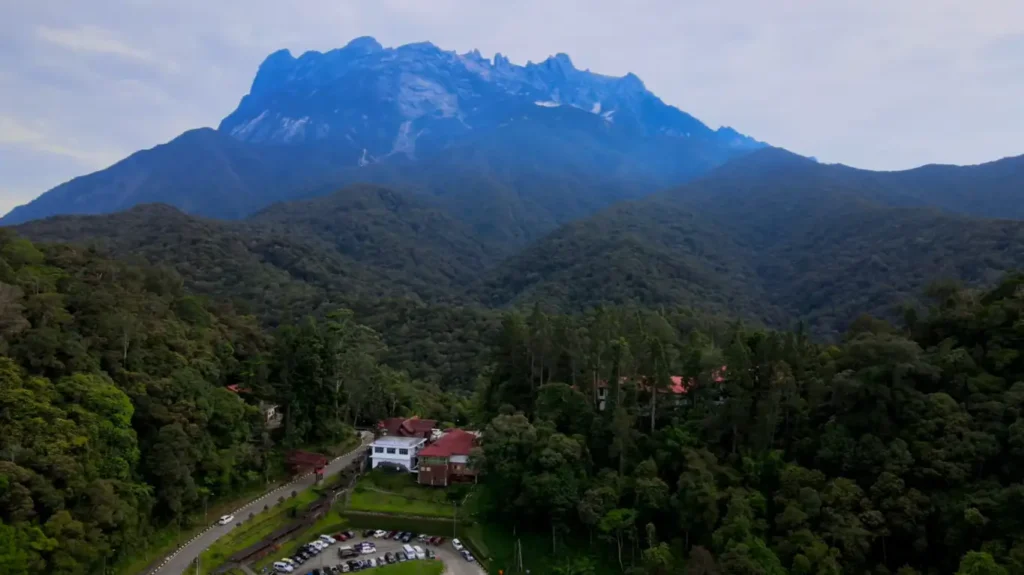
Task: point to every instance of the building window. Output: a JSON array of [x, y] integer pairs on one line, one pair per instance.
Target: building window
[[403, 452], [391, 450], [378, 450]]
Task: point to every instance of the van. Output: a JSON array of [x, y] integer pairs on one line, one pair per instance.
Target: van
[[409, 551]]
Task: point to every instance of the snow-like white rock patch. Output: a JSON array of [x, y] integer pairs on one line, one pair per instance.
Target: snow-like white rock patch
[[547, 104]]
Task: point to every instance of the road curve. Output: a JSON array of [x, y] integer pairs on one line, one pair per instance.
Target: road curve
[[178, 562]]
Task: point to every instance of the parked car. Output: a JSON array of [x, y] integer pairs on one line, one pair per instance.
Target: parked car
[[397, 535], [368, 533], [380, 533], [328, 539], [299, 559], [225, 519], [283, 567], [420, 554], [391, 534], [467, 556], [289, 561], [407, 537], [339, 536], [431, 554], [401, 556], [440, 541], [315, 572], [354, 565], [457, 544], [389, 557], [349, 534], [345, 568], [368, 548]]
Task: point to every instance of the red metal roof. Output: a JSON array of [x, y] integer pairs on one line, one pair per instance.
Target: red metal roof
[[408, 427], [454, 442], [679, 384]]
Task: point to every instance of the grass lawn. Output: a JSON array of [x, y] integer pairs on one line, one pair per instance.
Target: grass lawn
[[329, 524], [384, 492], [419, 567], [254, 530]]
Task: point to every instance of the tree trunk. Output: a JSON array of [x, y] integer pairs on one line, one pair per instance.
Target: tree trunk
[[654, 396], [618, 545]]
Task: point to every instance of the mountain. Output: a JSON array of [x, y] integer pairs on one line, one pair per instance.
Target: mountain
[[512, 150], [993, 189], [362, 242], [771, 236]]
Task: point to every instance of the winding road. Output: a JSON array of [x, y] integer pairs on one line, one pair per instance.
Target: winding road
[[178, 562]]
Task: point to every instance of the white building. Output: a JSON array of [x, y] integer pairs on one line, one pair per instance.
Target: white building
[[395, 450]]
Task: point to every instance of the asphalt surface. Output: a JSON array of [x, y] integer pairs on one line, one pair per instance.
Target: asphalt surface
[[453, 562], [180, 561]]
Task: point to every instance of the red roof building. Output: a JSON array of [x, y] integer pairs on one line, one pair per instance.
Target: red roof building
[[447, 459], [407, 427], [680, 386]]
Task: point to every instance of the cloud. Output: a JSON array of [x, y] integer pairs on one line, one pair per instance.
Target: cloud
[[91, 39], [871, 83], [17, 134]]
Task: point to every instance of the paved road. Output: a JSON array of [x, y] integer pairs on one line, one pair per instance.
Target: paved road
[[454, 563], [180, 561]]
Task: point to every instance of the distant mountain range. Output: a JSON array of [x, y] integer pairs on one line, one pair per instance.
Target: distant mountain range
[[516, 150], [413, 174]]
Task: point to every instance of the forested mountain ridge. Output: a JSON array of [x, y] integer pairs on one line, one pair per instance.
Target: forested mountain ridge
[[771, 236]]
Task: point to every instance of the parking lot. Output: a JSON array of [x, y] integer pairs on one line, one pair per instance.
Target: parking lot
[[454, 563]]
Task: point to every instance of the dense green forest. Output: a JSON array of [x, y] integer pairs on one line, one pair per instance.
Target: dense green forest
[[897, 450], [772, 238], [115, 417]]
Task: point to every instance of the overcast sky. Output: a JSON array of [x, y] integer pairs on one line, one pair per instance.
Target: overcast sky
[[876, 84]]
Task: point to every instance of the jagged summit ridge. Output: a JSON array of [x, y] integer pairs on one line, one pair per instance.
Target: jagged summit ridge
[[417, 96]]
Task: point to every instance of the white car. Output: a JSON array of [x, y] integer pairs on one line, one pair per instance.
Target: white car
[[380, 533], [321, 545], [328, 539], [420, 553], [457, 544], [373, 562], [283, 567], [225, 519], [368, 548]]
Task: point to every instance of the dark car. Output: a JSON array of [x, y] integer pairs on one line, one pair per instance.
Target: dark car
[[407, 537], [431, 554], [401, 556], [354, 565], [389, 558], [349, 534], [368, 533], [340, 536], [396, 535]]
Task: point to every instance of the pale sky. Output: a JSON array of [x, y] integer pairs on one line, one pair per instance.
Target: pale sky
[[875, 84]]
